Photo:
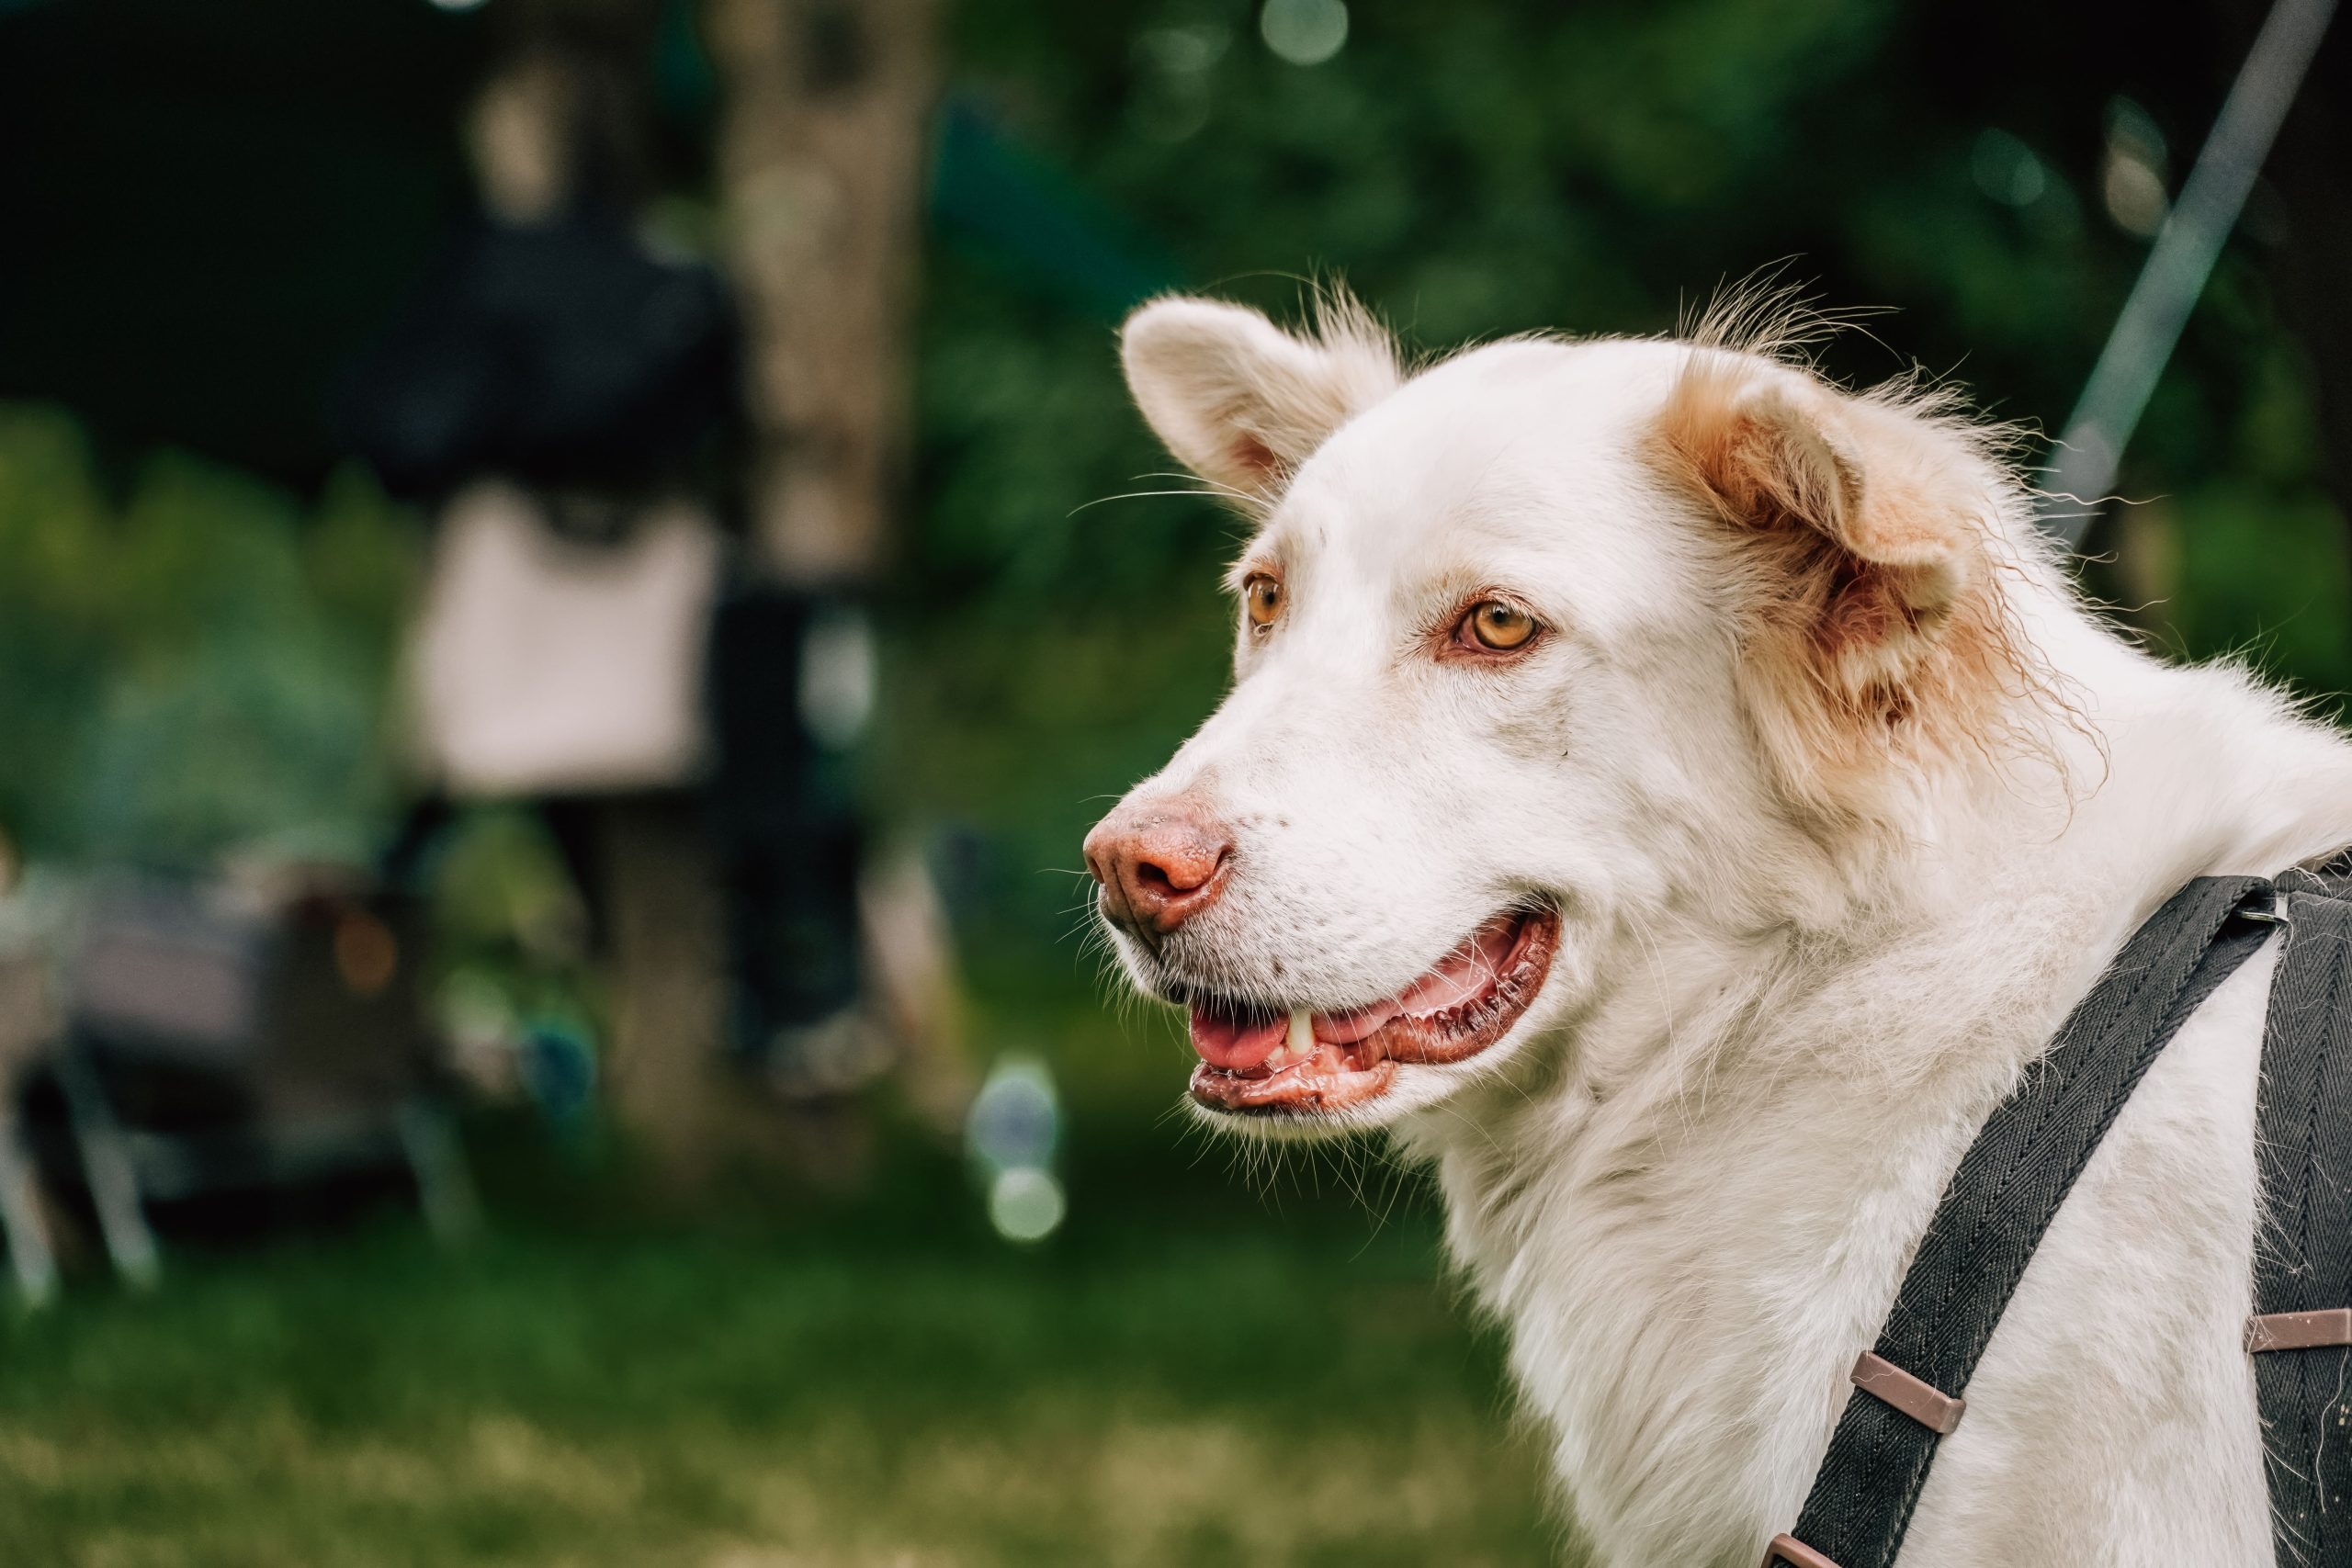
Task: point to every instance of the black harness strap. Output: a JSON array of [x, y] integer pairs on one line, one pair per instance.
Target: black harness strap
[[2002, 1197], [2302, 1268]]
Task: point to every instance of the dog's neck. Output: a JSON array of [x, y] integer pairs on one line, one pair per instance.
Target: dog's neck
[[1693, 1202]]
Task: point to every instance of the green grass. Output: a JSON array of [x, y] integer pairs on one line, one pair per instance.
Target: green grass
[[1186, 1375]]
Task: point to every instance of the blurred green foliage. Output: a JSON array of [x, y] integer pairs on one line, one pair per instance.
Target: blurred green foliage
[[193, 664]]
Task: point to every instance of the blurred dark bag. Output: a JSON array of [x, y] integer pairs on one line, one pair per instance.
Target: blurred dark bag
[[563, 355]]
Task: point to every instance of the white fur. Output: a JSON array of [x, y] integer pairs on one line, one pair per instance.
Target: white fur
[[1690, 1180]]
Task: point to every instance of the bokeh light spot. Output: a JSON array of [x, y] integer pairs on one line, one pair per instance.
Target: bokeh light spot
[[1026, 1203], [2006, 170], [2133, 183], [1305, 32], [367, 955]]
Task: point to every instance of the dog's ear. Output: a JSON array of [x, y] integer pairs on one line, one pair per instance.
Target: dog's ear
[[1866, 534], [1239, 400]]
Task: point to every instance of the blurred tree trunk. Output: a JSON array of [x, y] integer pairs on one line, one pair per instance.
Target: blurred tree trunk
[[663, 938], [820, 145]]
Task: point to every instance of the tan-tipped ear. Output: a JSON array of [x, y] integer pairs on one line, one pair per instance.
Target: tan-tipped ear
[[1239, 400], [1866, 531]]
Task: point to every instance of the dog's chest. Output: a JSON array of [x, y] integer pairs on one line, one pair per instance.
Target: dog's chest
[[1685, 1292]]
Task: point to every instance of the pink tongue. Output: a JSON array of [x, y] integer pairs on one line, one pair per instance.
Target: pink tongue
[[1239, 1043], [1347, 1028], [1234, 1043], [1468, 972]]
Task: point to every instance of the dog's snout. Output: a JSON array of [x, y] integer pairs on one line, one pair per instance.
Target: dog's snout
[[1161, 862]]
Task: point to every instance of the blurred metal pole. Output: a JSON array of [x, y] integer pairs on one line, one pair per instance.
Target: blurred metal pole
[[2083, 465]]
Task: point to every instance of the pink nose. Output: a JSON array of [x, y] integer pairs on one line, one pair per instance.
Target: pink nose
[[1159, 862]]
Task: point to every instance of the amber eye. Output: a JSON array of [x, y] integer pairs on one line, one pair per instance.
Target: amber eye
[[1491, 624], [1262, 596]]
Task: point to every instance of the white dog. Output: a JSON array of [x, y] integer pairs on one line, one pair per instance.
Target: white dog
[[1678, 799]]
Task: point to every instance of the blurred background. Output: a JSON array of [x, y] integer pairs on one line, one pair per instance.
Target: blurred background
[[572, 574]]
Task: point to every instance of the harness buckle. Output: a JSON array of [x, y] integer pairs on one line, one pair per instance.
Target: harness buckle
[[2327, 1327], [1922, 1401]]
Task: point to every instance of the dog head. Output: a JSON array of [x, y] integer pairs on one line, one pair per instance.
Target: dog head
[[1533, 644]]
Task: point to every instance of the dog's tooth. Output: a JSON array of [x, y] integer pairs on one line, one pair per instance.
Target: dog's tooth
[[1301, 1043]]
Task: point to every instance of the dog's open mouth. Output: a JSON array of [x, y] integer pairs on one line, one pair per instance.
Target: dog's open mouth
[[1267, 1061]]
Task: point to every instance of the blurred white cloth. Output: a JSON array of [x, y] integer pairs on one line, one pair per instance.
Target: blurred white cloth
[[544, 665]]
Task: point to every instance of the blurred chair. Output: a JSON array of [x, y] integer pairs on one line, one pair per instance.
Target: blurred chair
[[209, 1047], [27, 1030]]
